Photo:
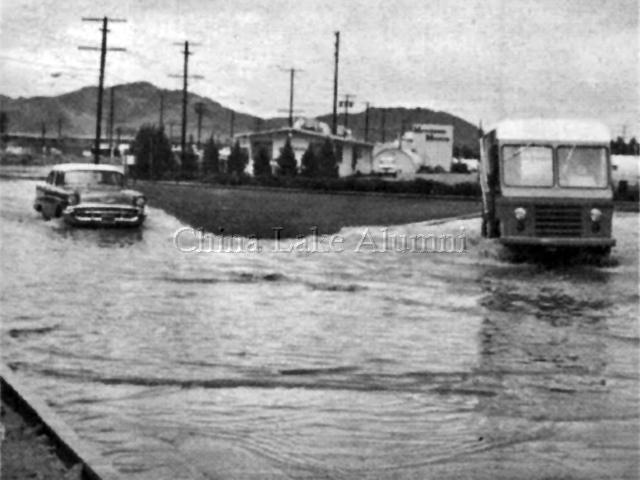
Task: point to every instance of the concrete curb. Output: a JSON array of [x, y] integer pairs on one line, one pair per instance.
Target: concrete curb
[[68, 444]]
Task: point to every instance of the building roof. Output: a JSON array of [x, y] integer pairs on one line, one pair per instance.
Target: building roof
[[300, 131], [558, 130], [68, 167]]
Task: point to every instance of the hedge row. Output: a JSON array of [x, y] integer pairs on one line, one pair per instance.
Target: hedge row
[[354, 183]]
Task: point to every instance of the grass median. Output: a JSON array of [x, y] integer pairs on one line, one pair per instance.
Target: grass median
[[256, 212]]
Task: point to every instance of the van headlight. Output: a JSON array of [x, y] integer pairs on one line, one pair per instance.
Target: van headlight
[[520, 214], [595, 214]]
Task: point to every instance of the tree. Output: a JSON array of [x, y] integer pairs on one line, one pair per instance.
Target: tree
[[4, 122], [327, 161], [633, 147], [152, 150], [309, 162], [262, 163], [618, 147], [210, 157], [238, 160], [287, 160]]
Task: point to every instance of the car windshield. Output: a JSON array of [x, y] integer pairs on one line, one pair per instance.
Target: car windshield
[[94, 178], [528, 166], [582, 167]]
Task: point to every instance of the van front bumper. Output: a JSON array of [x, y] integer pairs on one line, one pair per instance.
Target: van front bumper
[[558, 242]]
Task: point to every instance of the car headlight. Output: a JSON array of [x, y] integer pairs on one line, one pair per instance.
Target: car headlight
[[140, 202], [595, 214], [520, 213], [73, 199]]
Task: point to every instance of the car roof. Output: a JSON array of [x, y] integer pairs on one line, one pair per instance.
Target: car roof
[[68, 167], [554, 130]]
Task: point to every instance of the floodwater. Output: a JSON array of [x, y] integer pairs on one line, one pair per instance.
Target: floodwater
[[324, 365]]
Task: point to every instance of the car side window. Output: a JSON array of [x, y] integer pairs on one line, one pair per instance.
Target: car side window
[[49, 179]]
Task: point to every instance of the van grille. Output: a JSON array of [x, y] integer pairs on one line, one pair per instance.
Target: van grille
[[558, 220]]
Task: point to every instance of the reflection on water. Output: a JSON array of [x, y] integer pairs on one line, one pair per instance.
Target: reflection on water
[[101, 237], [323, 366]]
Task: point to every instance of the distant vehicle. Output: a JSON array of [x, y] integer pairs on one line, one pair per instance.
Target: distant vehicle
[[626, 176], [88, 194], [547, 183]]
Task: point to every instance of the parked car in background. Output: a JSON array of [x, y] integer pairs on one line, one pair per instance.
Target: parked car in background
[[88, 194]]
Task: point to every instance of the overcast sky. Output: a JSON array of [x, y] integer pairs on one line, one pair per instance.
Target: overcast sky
[[484, 59]]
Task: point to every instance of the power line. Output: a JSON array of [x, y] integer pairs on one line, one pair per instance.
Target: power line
[[103, 56]]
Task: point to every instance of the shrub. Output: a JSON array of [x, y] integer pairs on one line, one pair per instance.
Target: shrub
[[309, 163], [287, 163], [459, 167], [262, 163], [210, 158], [327, 161], [238, 160]]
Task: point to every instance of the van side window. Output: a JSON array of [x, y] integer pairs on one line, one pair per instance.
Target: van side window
[[49, 179], [60, 178]]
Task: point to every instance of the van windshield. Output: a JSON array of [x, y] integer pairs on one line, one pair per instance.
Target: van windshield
[[528, 166], [582, 167]]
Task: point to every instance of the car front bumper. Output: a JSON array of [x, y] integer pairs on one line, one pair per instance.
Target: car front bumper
[[104, 216]]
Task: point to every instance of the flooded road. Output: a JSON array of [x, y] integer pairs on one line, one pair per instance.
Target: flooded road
[[335, 365]]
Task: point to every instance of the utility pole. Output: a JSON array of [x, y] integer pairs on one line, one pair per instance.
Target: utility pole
[[334, 127], [111, 113], [183, 133], [200, 109], [346, 103], [185, 76], [383, 126], [59, 128], [43, 128], [232, 124], [161, 120], [366, 123], [292, 72], [171, 124], [103, 56]]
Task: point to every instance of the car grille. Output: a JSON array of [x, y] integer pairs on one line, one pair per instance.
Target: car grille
[[558, 220], [106, 212]]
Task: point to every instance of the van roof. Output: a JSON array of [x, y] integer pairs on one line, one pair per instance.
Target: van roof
[[68, 167], [554, 130]]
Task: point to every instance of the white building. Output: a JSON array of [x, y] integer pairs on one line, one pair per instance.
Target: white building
[[354, 156], [432, 143]]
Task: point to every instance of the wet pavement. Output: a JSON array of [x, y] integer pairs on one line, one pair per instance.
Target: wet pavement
[[325, 365]]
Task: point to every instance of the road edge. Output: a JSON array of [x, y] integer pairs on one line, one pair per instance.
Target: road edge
[[94, 465]]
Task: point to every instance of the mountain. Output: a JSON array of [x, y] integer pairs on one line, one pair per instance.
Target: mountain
[[139, 103]]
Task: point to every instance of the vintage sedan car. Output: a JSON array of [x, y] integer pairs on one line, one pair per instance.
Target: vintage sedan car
[[91, 195]]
